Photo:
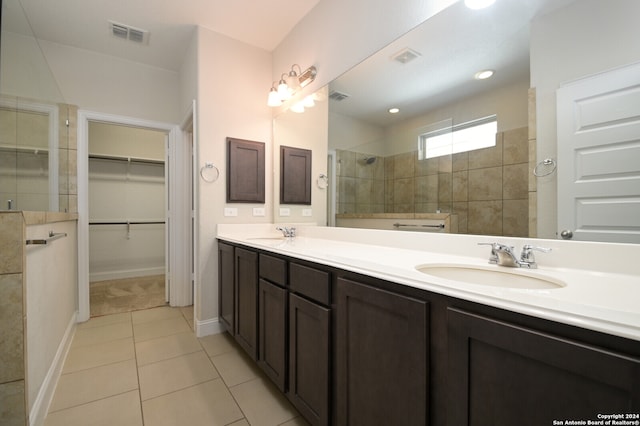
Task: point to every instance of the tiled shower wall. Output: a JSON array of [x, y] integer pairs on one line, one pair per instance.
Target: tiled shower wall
[[488, 189]]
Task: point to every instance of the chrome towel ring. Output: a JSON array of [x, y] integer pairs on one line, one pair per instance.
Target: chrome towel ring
[[545, 167], [209, 173]]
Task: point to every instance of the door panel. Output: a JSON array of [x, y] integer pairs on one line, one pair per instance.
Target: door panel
[[599, 157]]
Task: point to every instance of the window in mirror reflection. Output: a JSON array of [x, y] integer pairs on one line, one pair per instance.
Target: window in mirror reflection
[[463, 137]]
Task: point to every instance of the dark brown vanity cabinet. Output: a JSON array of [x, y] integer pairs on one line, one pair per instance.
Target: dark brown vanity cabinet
[[310, 342], [503, 374], [382, 357], [272, 319], [246, 299], [226, 277]]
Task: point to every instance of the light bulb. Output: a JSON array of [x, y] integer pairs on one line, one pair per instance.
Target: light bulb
[[274, 98]]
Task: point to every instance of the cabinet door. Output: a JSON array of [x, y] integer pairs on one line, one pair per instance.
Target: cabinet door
[[225, 286], [246, 280], [272, 314], [309, 359], [503, 374], [382, 357]]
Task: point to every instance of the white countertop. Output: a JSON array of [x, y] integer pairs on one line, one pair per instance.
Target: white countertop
[[601, 281]]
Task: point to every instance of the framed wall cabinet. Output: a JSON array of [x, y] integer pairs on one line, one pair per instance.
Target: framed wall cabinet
[[245, 171], [295, 175]]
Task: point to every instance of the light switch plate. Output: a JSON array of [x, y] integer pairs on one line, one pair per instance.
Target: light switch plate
[[285, 211], [307, 212], [258, 211], [230, 211]]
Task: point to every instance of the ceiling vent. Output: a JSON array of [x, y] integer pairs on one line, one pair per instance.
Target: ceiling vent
[[405, 55], [125, 32], [334, 95]]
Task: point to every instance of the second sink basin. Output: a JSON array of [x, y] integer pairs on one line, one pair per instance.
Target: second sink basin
[[491, 276]]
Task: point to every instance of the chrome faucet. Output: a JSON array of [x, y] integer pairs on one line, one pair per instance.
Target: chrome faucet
[[504, 255], [287, 232]]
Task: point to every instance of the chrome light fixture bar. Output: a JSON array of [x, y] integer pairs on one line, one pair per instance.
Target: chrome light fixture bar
[[289, 84]]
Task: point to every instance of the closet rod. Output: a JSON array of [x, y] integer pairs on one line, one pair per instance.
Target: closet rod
[[127, 159], [133, 222]]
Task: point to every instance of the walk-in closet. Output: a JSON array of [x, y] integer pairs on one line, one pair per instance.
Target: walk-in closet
[[127, 209]]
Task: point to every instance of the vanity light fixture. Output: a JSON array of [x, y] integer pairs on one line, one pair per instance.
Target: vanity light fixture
[[483, 75], [478, 4], [290, 83]]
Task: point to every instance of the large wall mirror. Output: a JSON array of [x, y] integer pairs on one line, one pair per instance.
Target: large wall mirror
[[377, 161], [37, 144]]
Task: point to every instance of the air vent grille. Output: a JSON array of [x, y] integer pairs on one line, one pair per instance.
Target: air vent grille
[[405, 55], [126, 32], [334, 95]]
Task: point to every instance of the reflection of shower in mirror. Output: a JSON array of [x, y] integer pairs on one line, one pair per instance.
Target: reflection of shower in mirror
[[369, 160]]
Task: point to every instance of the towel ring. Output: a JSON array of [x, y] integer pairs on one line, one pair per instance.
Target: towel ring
[[545, 167], [206, 176]]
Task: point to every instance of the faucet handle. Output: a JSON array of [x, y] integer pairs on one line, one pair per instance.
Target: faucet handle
[[527, 253], [493, 257]]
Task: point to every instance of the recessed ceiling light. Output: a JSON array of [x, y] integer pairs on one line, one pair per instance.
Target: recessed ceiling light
[[482, 75], [478, 4], [394, 110]]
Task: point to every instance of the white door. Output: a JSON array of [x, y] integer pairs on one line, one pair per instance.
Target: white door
[[599, 157]]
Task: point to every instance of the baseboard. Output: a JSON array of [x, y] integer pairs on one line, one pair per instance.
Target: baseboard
[[41, 405], [128, 273], [209, 326]]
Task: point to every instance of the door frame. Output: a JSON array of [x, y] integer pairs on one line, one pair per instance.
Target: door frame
[[177, 266]]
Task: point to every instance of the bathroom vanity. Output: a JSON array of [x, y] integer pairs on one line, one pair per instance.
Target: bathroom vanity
[[353, 331]]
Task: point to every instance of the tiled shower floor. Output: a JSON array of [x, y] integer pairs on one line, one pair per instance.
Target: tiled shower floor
[[147, 368]]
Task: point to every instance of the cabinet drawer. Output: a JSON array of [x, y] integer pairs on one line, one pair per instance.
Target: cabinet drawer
[[273, 269], [310, 282]]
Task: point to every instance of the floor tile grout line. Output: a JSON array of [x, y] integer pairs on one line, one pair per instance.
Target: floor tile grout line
[[135, 355], [91, 402]]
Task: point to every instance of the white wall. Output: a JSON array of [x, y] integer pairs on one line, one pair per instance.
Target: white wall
[[105, 84], [51, 294], [587, 37], [233, 83], [338, 34]]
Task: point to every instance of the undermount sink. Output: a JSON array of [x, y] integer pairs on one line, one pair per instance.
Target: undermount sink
[[492, 276]]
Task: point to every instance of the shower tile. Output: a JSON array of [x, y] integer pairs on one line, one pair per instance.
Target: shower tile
[[515, 146], [167, 376], [346, 163], [11, 328], [206, 404], [166, 347], [444, 188], [404, 165], [95, 383], [403, 191], [460, 161], [461, 212], [487, 157], [262, 403], [515, 181], [485, 217], [485, 184], [516, 218], [532, 113], [460, 186], [364, 188], [12, 409], [122, 410], [11, 243]]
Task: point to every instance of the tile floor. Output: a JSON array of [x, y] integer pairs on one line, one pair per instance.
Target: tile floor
[[148, 368]]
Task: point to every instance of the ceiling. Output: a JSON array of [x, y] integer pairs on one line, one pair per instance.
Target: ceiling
[[452, 46], [85, 24]]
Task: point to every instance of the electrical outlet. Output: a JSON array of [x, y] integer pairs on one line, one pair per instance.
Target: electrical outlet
[[307, 212], [230, 211], [285, 211], [258, 211]]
